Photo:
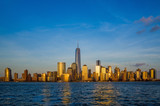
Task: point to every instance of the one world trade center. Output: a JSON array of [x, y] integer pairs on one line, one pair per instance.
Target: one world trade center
[[78, 61]]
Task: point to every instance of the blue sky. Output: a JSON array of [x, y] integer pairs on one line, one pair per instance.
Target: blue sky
[[36, 34]]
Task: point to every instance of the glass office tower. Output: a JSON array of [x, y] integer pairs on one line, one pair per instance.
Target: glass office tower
[[78, 61]]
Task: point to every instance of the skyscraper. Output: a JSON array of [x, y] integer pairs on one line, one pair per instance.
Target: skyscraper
[[84, 73], [78, 60], [25, 75], [110, 71], [98, 62], [152, 73], [98, 68], [61, 68], [74, 68], [8, 75]]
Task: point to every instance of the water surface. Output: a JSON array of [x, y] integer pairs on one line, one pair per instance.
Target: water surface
[[80, 93]]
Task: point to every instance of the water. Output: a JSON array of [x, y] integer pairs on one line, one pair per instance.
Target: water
[[80, 93]]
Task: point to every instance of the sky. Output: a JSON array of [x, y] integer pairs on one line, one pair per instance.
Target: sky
[[36, 34]]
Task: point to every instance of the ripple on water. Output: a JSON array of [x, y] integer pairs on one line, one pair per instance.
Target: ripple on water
[[77, 93]]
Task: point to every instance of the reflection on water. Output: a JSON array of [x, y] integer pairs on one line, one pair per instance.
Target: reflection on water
[[93, 93], [46, 93], [105, 95], [66, 94]]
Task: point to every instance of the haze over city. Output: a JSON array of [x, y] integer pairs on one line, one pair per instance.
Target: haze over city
[[35, 35]]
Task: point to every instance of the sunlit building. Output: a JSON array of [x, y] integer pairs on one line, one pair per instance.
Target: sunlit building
[[43, 77], [98, 71], [107, 77], [61, 68], [8, 74], [103, 74], [110, 71], [138, 74], [117, 72], [128, 76], [144, 75], [25, 75], [49, 76], [84, 73], [35, 77], [132, 76], [125, 75], [152, 73], [65, 77], [15, 76], [125, 69]]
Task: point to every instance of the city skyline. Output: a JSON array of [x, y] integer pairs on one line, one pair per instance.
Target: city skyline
[[114, 32]]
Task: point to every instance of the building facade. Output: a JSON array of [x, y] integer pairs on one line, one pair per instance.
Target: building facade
[[84, 73], [61, 68], [78, 61], [8, 74]]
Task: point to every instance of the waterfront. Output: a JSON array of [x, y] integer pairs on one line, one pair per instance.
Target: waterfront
[[80, 93]]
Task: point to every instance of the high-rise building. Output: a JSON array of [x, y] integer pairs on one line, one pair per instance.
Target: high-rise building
[[74, 71], [15, 76], [29, 77], [35, 77], [107, 77], [98, 62], [49, 76], [152, 73], [43, 77], [70, 72], [110, 71], [61, 68], [84, 73], [8, 74], [117, 72], [144, 75], [138, 74], [103, 74], [95, 76], [65, 77], [98, 71], [25, 75], [132, 76], [54, 76], [78, 61], [89, 73], [128, 76], [125, 69]]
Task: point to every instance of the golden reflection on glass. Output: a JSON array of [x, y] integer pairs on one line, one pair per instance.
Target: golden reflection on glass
[[66, 94], [105, 94]]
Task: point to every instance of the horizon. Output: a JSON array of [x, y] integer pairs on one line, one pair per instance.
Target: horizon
[[36, 35]]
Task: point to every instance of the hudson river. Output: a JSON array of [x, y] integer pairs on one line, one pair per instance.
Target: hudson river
[[80, 93]]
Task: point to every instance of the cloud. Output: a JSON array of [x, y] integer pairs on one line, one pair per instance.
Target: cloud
[[148, 21], [141, 31], [157, 19], [155, 28], [139, 64]]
